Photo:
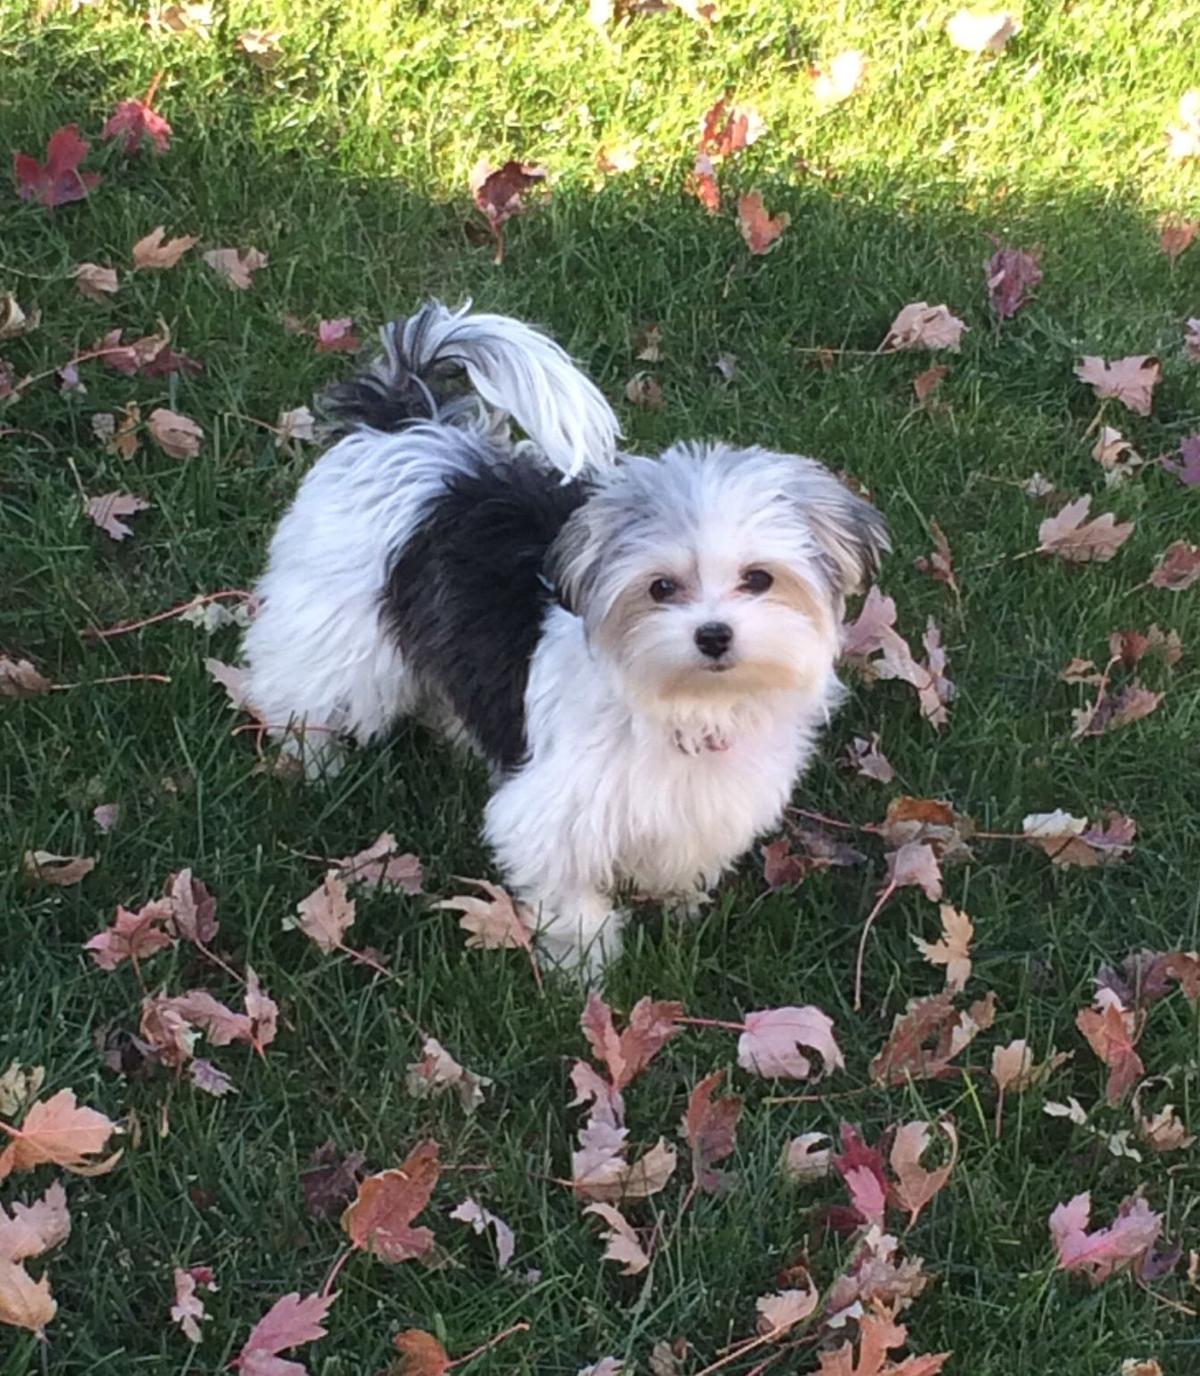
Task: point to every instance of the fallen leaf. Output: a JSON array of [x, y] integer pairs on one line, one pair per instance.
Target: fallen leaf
[[188, 1310], [379, 1219], [299, 424], [60, 871], [953, 950], [874, 1279], [1037, 487], [877, 1334], [623, 1246], [1191, 341], [652, 1023], [35, 1228], [727, 129], [666, 1359], [135, 120], [915, 1186], [499, 193], [330, 1180], [290, 1322], [132, 936], [236, 266], [261, 46], [262, 1011], [702, 183], [155, 251], [1131, 381], [1070, 840], [839, 79], [866, 758], [1011, 275], [193, 908], [420, 1354], [778, 1314], [19, 1087], [58, 181], [206, 1076], [19, 679], [932, 821], [1013, 1066], [1187, 467], [337, 336], [1119, 459], [921, 326], [107, 510], [1178, 567], [710, 1126], [481, 1219], [56, 1130], [615, 159], [70, 381], [1100, 1253], [1132, 1366], [1184, 138], [874, 633], [95, 282], [325, 914], [192, 19], [805, 1158], [438, 1072], [599, 1170], [940, 564], [907, 1053], [166, 1036], [770, 1044], [727, 365], [981, 32], [1074, 538], [1176, 235], [606, 1366], [760, 230], [494, 923], [1164, 1130], [234, 680], [1112, 1032], [647, 344], [177, 436], [915, 865], [643, 389], [926, 383]]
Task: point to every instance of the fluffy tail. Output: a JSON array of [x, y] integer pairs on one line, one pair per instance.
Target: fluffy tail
[[510, 366]]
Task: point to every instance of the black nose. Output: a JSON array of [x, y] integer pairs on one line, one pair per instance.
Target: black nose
[[714, 638]]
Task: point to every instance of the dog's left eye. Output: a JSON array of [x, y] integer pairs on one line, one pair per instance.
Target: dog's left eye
[[756, 580]]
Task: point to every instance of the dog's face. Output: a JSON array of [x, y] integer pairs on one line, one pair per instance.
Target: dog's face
[[712, 575]]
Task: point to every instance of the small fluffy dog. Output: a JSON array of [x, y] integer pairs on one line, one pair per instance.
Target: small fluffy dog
[[642, 649]]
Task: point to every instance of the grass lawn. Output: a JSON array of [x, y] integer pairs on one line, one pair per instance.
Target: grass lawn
[[347, 163]]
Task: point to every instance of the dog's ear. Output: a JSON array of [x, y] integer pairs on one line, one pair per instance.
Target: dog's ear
[[851, 533], [574, 560]]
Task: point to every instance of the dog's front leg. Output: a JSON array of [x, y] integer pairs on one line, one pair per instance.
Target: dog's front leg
[[580, 931]]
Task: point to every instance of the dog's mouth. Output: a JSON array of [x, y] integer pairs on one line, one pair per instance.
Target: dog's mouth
[[720, 668]]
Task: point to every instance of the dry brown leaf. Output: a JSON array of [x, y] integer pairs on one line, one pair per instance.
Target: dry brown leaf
[[19, 679], [236, 266], [1013, 1066], [907, 1052], [379, 1219], [921, 326], [325, 914], [59, 1132], [866, 758], [623, 1246], [420, 1354], [805, 1158], [953, 950], [1119, 459], [493, 923], [1176, 235], [778, 1314], [261, 46], [760, 230], [156, 251], [95, 282], [60, 871], [1112, 1031], [915, 1186], [932, 821], [926, 383], [381, 866], [1131, 381], [940, 564], [1074, 538], [1164, 1130], [878, 1333], [176, 435], [643, 389], [107, 510], [437, 1072], [1178, 567], [299, 424], [600, 1171]]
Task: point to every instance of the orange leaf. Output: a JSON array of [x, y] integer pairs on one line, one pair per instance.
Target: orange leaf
[[60, 1132], [420, 1354], [378, 1220]]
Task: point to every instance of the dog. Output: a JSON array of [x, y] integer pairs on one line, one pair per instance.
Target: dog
[[643, 650]]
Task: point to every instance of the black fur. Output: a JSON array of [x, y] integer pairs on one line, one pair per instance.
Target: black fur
[[466, 595]]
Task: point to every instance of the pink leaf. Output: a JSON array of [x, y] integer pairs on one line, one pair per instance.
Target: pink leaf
[[133, 936], [1100, 1253], [337, 336], [290, 1322], [133, 121], [770, 1045], [1011, 275], [58, 180]]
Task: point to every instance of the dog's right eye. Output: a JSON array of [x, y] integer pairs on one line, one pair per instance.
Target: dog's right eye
[[663, 589]]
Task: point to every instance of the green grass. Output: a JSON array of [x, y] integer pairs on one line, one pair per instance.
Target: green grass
[[347, 163]]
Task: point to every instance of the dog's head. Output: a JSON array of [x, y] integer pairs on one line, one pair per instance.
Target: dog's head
[[712, 575]]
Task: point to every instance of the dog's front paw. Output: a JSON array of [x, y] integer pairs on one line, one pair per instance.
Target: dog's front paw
[[582, 938]]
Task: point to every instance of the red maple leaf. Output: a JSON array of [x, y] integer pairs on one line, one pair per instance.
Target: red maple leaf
[[135, 120], [58, 180]]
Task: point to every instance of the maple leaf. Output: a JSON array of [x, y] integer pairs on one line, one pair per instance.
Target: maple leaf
[[915, 1186], [60, 871], [778, 1314], [157, 252], [378, 1220], [1074, 538], [35, 1228], [379, 866], [95, 282], [953, 950], [1013, 1066], [56, 1130], [1164, 1130], [976, 32], [261, 46], [135, 120], [1113, 710], [481, 1219], [644, 389], [608, 1105], [499, 193], [420, 1354], [1176, 235], [193, 909], [710, 1127], [206, 1076], [940, 564], [760, 230], [874, 633], [839, 79], [817, 851], [235, 682], [861, 1167], [19, 679], [906, 1053], [1187, 469], [622, 1246], [24, 1302], [330, 1180], [290, 1322], [188, 1310], [702, 183], [1112, 1032], [1130, 380], [1011, 276], [1113, 452], [59, 180], [1178, 567], [299, 424], [915, 865], [1130, 1236], [770, 1045], [805, 1158], [1071, 840], [599, 1170], [926, 383], [177, 436], [877, 1334], [493, 923], [921, 326], [652, 1024], [236, 266], [727, 129], [133, 936], [325, 914], [262, 1011], [866, 758], [337, 336], [437, 1072], [106, 512], [165, 1032]]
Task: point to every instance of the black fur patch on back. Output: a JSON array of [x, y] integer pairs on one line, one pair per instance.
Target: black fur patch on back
[[466, 596]]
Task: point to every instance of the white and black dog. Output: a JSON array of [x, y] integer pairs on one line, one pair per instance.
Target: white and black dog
[[643, 649]]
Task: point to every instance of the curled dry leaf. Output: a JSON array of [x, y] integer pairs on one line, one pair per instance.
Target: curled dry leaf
[[493, 923], [915, 865], [932, 821], [702, 183], [107, 511], [1130, 380], [643, 389], [481, 1219], [612, 159], [499, 192], [908, 1052], [866, 758], [155, 251], [59, 871], [236, 267], [290, 1322], [1178, 567], [437, 1072], [1011, 275], [206, 1076], [1187, 467], [778, 1314], [915, 1186], [874, 634], [839, 79], [953, 950], [19, 1087], [1113, 452], [805, 1158], [1098, 1254], [299, 424], [59, 1132], [600, 1171], [379, 1219], [622, 1242], [1013, 1066], [188, 1310], [1164, 1130], [710, 1126], [1079, 541], [420, 1354], [95, 282], [380, 866], [940, 564], [977, 31], [875, 1278], [770, 1045], [921, 326], [1071, 840], [177, 436], [760, 230], [19, 679], [193, 908]]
